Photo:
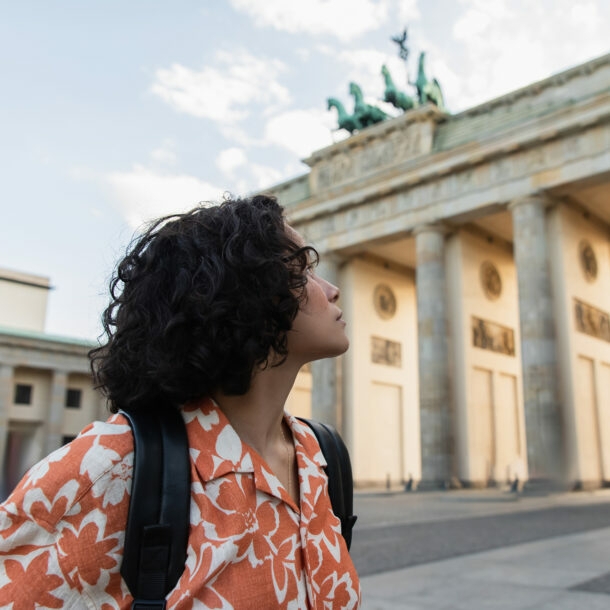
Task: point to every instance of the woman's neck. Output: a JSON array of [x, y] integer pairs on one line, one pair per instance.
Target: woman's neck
[[257, 415]]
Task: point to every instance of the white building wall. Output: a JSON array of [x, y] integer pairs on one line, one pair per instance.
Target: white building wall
[[584, 359], [486, 384], [75, 420], [382, 401], [298, 402], [28, 430], [36, 411], [23, 300]]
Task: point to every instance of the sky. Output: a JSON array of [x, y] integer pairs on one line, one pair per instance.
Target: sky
[[115, 112]]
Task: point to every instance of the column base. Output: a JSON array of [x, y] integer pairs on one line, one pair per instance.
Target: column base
[[439, 485], [543, 487]]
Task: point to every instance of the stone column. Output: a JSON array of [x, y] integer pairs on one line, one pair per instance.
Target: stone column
[[6, 399], [437, 436], [325, 392], [538, 342], [55, 416]]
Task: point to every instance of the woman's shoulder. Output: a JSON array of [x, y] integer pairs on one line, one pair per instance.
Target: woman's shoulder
[[94, 468]]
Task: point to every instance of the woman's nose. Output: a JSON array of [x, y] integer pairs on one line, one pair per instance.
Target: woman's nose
[[332, 291]]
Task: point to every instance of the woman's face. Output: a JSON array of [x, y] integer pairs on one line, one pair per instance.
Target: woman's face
[[318, 331]]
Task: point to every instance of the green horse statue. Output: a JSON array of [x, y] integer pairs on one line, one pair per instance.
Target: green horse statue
[[366, 113], [349, 122], [393, 95], [428, 91]]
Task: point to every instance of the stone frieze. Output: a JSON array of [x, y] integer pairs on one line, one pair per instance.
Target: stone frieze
[[492, 336]]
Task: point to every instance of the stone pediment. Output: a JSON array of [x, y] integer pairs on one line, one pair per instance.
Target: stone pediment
[[375, 149]]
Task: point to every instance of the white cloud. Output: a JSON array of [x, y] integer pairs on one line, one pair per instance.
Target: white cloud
[[244, 176], [238, 134], [586, 14], [230, 159], [408, 11], [506, 50], [301, 131], [344, 19], [262, 176], [253, 177], [144, 194], [226, 91]]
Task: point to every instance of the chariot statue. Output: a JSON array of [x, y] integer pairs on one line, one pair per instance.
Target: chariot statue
[[364, 114], [426, 92]]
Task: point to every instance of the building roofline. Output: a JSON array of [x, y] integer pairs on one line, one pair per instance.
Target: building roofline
[[558, 79], [27, 279], [20, 333], [535, 88]]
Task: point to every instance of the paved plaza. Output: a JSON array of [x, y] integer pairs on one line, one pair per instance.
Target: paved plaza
[[483, 549]]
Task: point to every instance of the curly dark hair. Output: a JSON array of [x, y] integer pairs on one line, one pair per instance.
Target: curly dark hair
[[199, 301]]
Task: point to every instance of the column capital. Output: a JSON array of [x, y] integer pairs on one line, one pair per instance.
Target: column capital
[[432, 227], [540, 197]]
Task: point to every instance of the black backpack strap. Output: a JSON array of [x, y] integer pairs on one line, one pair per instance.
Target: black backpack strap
[[156, 536], [339, 472]]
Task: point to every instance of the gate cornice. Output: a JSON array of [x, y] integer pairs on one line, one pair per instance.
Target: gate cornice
[[563, 146]]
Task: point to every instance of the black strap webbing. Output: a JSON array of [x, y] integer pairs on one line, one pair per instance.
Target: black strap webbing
[[339, 472], [156, 536]]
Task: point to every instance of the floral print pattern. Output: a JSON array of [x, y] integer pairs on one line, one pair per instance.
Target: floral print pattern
[[250, 545]]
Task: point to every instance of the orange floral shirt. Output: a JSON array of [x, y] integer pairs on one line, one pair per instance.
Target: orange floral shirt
[[250, 545]]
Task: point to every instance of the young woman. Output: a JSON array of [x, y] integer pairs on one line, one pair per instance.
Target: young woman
[[213, 312]]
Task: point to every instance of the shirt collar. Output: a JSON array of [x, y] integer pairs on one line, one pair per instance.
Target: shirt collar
[[215, 447], [217, 450]]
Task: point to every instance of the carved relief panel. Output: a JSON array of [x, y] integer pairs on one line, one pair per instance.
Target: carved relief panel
[[353, 159], [385, 351], [592, 321], [492, 336]]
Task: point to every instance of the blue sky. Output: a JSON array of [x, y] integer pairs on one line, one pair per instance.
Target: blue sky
[[114, 112]]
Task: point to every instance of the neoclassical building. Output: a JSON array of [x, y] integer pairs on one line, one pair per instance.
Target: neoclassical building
[[473, 256], [46, 393]]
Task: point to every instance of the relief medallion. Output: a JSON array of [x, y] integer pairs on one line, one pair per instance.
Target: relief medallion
[[588, 260], [490, 281], [384, 301]]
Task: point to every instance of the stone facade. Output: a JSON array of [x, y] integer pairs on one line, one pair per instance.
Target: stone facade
[[491, 229], [46, 394], [473, 256]]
